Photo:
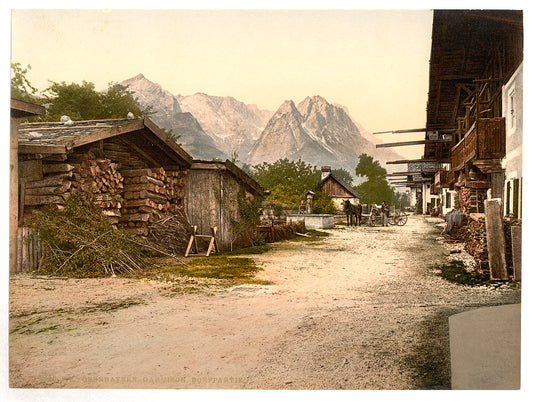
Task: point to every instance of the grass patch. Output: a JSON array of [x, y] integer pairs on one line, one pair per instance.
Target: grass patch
[[311, 235], [455, 271], [252, 250], [203, 274]]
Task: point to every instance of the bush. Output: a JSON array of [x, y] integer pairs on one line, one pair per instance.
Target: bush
[[80, 241]]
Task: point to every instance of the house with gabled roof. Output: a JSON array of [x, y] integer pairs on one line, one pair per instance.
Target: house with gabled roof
[[337, 189]]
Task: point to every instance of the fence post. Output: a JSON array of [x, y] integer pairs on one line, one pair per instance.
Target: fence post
[[495, 239]]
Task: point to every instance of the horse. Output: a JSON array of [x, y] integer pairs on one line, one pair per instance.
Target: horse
[[349, 210]]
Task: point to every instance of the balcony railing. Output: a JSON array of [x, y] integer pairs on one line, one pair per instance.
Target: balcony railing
[[484, 140]]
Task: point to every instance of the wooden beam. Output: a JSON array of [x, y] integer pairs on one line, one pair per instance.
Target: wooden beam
[[411, 161], [186, 158], [139, 151], [415, 142], [127, 127], [41, 149], [410, 130], [24, 109]]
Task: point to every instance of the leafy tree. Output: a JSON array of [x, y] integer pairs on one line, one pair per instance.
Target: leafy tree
[[83, 102], [344, 175], [376, 188], [21, 88], [323, 203], [287, 180]]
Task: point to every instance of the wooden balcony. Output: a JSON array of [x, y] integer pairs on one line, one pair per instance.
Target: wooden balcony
[[484, 140], [442, 177]]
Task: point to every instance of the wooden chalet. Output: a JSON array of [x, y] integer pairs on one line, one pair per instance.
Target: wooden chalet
[[474, 55], [337, 189], [214, 193]]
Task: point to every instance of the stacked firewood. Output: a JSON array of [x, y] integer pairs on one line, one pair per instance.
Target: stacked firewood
[[474, 234], [149, 195], [54, 188], [100, 182], [171, 233], [470, 200]]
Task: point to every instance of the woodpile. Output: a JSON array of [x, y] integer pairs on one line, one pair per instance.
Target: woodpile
[[476, 241], [171, 233], [150, 194], [470, 200], [100, 182]]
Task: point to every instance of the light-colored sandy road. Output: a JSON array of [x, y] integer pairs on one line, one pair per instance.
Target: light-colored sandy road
[[360, 310]]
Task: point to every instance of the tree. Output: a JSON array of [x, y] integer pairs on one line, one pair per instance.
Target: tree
[[344, 175], [376, 188], [287, 180], [21, 88], [83, 102]]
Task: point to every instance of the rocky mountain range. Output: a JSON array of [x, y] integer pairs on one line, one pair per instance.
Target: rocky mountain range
[[210, 127]]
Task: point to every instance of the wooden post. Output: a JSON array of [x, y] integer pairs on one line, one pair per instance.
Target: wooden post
[[516, 240], [13, 195], [495, 239]]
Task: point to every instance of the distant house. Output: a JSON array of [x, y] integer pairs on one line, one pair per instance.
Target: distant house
[[213, 193], [337, 189]]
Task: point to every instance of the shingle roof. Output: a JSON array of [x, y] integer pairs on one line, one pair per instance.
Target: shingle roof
[[342, 183], [56, 137]]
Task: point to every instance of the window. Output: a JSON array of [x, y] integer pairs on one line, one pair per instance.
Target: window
[[516, 196], [448, 200], [512, 111], [508, 198]]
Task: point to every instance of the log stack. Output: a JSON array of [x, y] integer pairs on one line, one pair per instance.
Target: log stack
[[476, 241], [100, 182], [150, 194]]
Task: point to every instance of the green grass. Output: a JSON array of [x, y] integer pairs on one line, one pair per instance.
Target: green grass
[[454, 271], [311, 235], [226, 270], [252, 250]]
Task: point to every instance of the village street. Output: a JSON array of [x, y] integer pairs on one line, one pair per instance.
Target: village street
[[361, 309]]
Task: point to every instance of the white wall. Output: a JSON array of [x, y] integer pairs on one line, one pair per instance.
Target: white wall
[[512, 110]]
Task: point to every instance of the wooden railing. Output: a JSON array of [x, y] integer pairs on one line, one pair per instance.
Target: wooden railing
[[484, 140]]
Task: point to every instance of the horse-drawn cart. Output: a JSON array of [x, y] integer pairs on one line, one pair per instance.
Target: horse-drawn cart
[[372, 214]]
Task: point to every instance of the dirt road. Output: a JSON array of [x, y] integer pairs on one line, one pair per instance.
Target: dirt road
[[358, 310]]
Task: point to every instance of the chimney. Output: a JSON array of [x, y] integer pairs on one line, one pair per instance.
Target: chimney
[[326, 170]]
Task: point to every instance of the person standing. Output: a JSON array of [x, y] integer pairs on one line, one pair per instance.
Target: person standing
[[384, 220]]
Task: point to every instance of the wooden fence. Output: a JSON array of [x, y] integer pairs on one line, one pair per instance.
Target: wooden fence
[[29, 251]]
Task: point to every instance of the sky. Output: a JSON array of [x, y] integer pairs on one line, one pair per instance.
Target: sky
[[374, 62]]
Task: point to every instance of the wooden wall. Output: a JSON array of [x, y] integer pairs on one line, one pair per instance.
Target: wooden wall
[[211, 200]]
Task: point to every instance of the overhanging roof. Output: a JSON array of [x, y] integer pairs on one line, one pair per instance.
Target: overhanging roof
[[142, 134], [25, 109]]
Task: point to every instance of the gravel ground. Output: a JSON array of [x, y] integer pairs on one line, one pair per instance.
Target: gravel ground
[[362, 309]]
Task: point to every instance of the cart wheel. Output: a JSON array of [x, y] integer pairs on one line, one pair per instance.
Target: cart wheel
[[392, 220], [402, 219]]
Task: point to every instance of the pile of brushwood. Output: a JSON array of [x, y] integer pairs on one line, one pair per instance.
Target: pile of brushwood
[[80, 241]]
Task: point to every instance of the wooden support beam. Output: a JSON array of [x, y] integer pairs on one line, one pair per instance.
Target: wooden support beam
[[411, 161], [139, 151], [495, 239], [414, 142], [409, 130]]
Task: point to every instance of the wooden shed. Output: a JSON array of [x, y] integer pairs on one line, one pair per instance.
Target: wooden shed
[[128, 167], [337, 189], [214, 191]]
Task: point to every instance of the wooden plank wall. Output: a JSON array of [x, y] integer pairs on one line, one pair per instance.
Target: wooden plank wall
[[333, 188], [204, 188], [29, 252]]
